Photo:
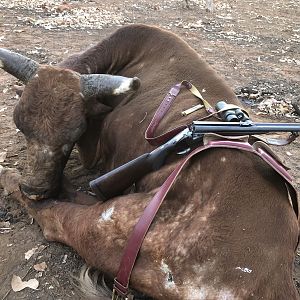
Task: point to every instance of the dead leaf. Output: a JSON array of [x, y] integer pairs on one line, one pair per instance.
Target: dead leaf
[[18, 285], [40, 267], [30, 252]]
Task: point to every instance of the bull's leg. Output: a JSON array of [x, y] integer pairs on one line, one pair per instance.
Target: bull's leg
[[48, 211], [41, 211], [9, 180], [82, 226], [97, 232]]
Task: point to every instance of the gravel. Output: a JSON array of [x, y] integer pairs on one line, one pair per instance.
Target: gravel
[[64, 15]]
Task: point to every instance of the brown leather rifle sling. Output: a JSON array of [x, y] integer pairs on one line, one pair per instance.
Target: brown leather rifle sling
[[121, 282]]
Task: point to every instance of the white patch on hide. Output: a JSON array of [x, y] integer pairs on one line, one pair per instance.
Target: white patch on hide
[[208, 292], [106, 215], [169, 281], [202, 269], [223, 159], [245, 270], [123, 88], [36, 76], [226, 295], [196, 294], [194, 288]]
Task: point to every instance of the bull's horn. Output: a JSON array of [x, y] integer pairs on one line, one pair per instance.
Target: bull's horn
[[18, 65], [107, 85]]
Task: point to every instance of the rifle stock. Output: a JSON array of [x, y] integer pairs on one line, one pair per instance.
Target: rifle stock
[[115, 182]]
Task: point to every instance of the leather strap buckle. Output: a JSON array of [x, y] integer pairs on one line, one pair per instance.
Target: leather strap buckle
[[116, 296], [120, 292]]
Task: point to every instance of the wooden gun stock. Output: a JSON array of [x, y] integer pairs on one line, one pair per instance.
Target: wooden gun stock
[[115, 182]]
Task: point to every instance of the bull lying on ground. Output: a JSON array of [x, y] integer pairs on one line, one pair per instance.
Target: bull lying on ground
[[226, 230]]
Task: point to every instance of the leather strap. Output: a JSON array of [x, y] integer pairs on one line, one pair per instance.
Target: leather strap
[[163, 109], [166, 104], [138, 234], [279, 142], [121, 282]]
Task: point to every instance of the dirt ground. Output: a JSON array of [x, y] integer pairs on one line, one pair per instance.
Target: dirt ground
[[252, 43]]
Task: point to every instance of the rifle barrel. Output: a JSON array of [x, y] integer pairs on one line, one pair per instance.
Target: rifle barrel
[[236, 128]]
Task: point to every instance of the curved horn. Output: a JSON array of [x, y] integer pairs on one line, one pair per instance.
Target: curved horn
[[107, 85], [18, 65]]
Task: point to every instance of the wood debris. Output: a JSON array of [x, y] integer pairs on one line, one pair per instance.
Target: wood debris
[[17, 284]]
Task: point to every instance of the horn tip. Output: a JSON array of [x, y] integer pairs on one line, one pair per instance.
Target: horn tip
[[1, 64], [127, 85], [136, 83]]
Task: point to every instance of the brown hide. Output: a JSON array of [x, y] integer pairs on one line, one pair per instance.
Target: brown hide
[[160, 59], [215, 237], [226, 229]]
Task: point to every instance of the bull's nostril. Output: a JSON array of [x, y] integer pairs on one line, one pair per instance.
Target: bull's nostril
[[34, 193], [25, 189]]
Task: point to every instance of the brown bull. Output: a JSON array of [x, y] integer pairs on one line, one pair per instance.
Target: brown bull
[[226, 230]]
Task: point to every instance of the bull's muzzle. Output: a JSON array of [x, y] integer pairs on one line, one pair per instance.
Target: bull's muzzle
[[37, 193]]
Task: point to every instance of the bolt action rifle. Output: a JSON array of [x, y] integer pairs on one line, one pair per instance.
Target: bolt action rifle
[[115, 182]]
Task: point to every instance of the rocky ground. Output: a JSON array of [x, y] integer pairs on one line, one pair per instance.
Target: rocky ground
[[253, 45]]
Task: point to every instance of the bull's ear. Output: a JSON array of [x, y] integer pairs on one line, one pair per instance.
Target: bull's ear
[[97, 85], [18, 65], [96, 108]]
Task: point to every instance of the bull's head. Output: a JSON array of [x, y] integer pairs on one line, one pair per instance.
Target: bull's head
[[52, 114]]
